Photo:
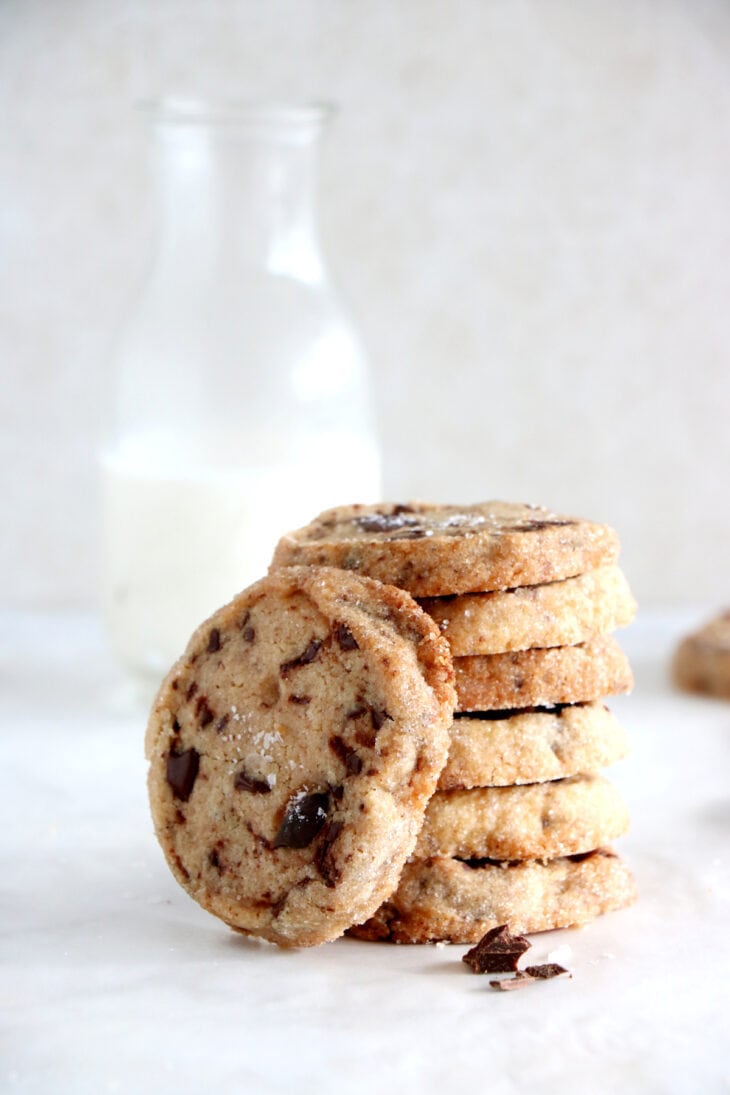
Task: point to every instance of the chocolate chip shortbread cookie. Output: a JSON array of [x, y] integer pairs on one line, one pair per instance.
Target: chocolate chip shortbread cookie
[[499, 748], [532, 821], [435, 550], [701, 662], [458, 901], [557, 614], [540, 677], [293, 749]]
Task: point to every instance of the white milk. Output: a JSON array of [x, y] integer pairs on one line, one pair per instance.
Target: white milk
[[179, 541]]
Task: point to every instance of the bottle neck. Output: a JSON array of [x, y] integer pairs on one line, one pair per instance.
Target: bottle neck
[[237, 198]]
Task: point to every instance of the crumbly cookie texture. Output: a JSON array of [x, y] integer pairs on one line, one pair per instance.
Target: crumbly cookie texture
[[456, 901], [532, 821], [557, 614], [293, 749], [701, 662], [436, 550], [500, 748], [542, 677]]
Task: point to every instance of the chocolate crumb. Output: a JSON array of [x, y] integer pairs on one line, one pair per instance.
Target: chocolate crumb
[[497, 952], [529, 975], [303, 820], [182, 772], [545, 971], [308, 655]]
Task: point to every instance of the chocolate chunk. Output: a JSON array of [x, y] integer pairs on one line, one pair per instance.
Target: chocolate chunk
[[203, 711], [214, 641], [379, 716], [307, 656], [344, 637], [304, 818], [349, 757], [324, 859], [497, 952], [244, 782], [538, 523], [182, 772]]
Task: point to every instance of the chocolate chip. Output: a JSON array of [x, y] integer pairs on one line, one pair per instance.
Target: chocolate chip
[[349, 757], [222, 723], [214, 860], [249, 634], [497, 952], [244, 782], [214, 641], [182, 772], [308, 655], [301, 700], [324, 859], [303, 820], [344, 637], [191, 690]]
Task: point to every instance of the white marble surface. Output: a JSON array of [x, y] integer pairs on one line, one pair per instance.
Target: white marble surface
[[113, 980]]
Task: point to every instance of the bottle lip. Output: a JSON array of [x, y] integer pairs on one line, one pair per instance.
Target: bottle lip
[[263, 117]]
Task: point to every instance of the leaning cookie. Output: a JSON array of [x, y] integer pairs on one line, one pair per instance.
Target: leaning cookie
[[293, 749], [536, 678], [456, 901], [533, 821], [701, 662], [500, 748], [437, 550], [556, 614]]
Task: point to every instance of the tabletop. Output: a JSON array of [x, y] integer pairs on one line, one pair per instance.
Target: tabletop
[[115, 981]]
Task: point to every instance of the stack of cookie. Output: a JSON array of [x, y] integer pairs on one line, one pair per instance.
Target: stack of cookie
[[518, 831]]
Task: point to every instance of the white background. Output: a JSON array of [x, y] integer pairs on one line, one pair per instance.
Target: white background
[[526, 202]]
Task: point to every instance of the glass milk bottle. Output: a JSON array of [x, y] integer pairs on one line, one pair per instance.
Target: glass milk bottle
[[242, 404]]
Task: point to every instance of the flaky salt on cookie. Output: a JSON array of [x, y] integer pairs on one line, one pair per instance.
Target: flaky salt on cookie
[[293, 749]]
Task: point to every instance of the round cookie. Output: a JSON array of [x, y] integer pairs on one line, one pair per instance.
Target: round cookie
[[542, 677], [501, 748], [293, 749], [701, 662], [532, 821], [557, 614], [458, 901], [434, 550]]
